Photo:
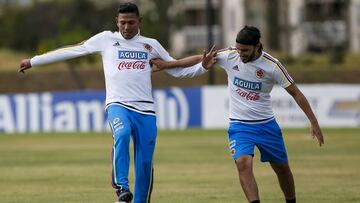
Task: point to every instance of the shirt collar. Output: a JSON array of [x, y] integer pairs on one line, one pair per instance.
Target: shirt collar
[[134, 38], [258, 59]]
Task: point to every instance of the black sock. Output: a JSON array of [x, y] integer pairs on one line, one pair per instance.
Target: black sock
[[291, 200], [255, 201]]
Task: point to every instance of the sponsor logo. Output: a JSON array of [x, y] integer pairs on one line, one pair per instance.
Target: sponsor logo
[[232, 145], [117, 124], [84, 111], [259, 73], [116, 121], [133, 55], [233, 151], [235, 68], [47, 112], [251, 96], [123, 65], [148, 47], [346, 108], [247, 84], [172, 107], [117, 44]]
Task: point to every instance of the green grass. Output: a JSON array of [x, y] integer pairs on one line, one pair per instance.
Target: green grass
[[192, 166]]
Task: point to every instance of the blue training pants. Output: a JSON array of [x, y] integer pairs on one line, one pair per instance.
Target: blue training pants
[[142, 128]]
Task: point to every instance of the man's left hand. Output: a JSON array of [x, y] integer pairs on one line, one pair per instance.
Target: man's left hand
[[157, 64], [209, 59], [316, 132]]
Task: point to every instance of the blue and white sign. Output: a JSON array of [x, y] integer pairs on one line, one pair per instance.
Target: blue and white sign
[[84, 111], [177, 108], [134, 55], [66, 112]]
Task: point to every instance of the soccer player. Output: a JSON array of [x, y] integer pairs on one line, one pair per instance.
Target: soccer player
[[126, 57], [252, 74]]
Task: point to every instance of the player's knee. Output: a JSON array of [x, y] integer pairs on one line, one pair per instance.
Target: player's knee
[[122, 136], [282, 169], [146, 164], [243, 163]]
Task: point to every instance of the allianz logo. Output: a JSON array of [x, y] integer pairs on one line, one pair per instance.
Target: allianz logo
[[49, 112], [46, 112], [172, 108]]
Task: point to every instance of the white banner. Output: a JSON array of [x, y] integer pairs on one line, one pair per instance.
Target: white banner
[[177, 108], [335, 105], [215, 107]]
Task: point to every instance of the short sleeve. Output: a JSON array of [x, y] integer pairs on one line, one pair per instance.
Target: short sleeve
[[222, 57], [281, 76]]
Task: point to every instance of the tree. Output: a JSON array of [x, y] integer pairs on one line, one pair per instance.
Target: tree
[[156, 22]]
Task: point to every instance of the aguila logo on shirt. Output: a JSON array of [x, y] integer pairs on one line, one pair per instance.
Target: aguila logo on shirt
[[259, 73], [132, 55], [247, 84]]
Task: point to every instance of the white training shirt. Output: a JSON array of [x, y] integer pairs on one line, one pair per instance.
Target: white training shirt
[[126, 66], [250, 84]]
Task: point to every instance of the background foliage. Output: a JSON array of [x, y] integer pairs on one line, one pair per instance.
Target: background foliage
[[48, 25]]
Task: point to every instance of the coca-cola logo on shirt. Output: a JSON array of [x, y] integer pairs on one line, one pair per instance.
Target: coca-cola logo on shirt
[[251, 95], [123, 65], [134, 60]]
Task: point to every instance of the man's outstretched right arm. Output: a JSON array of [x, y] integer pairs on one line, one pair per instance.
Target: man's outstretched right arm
[[54, 56], [90, 46]]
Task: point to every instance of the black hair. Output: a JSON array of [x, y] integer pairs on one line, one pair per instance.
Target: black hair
[[128, 7], [249, 35]]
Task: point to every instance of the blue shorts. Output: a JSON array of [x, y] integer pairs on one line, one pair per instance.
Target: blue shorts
[[267, 137]]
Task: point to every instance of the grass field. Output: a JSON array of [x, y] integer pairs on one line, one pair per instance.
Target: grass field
[[192, 166]]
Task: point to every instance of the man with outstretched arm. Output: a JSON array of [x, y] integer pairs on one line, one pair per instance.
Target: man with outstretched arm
[[252, 74], [126, 57]]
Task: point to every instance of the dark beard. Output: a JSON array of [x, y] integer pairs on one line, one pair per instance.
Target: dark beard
[[251, 58]]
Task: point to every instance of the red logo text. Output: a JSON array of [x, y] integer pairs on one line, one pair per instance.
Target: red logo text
[[252, 96], [131, 65]]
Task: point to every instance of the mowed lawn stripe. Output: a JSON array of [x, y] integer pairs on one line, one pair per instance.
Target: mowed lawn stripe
[[191, 166]]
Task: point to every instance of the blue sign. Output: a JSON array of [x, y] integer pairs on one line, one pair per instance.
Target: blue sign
[[247, 84], [133, 55], [84, 110]]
